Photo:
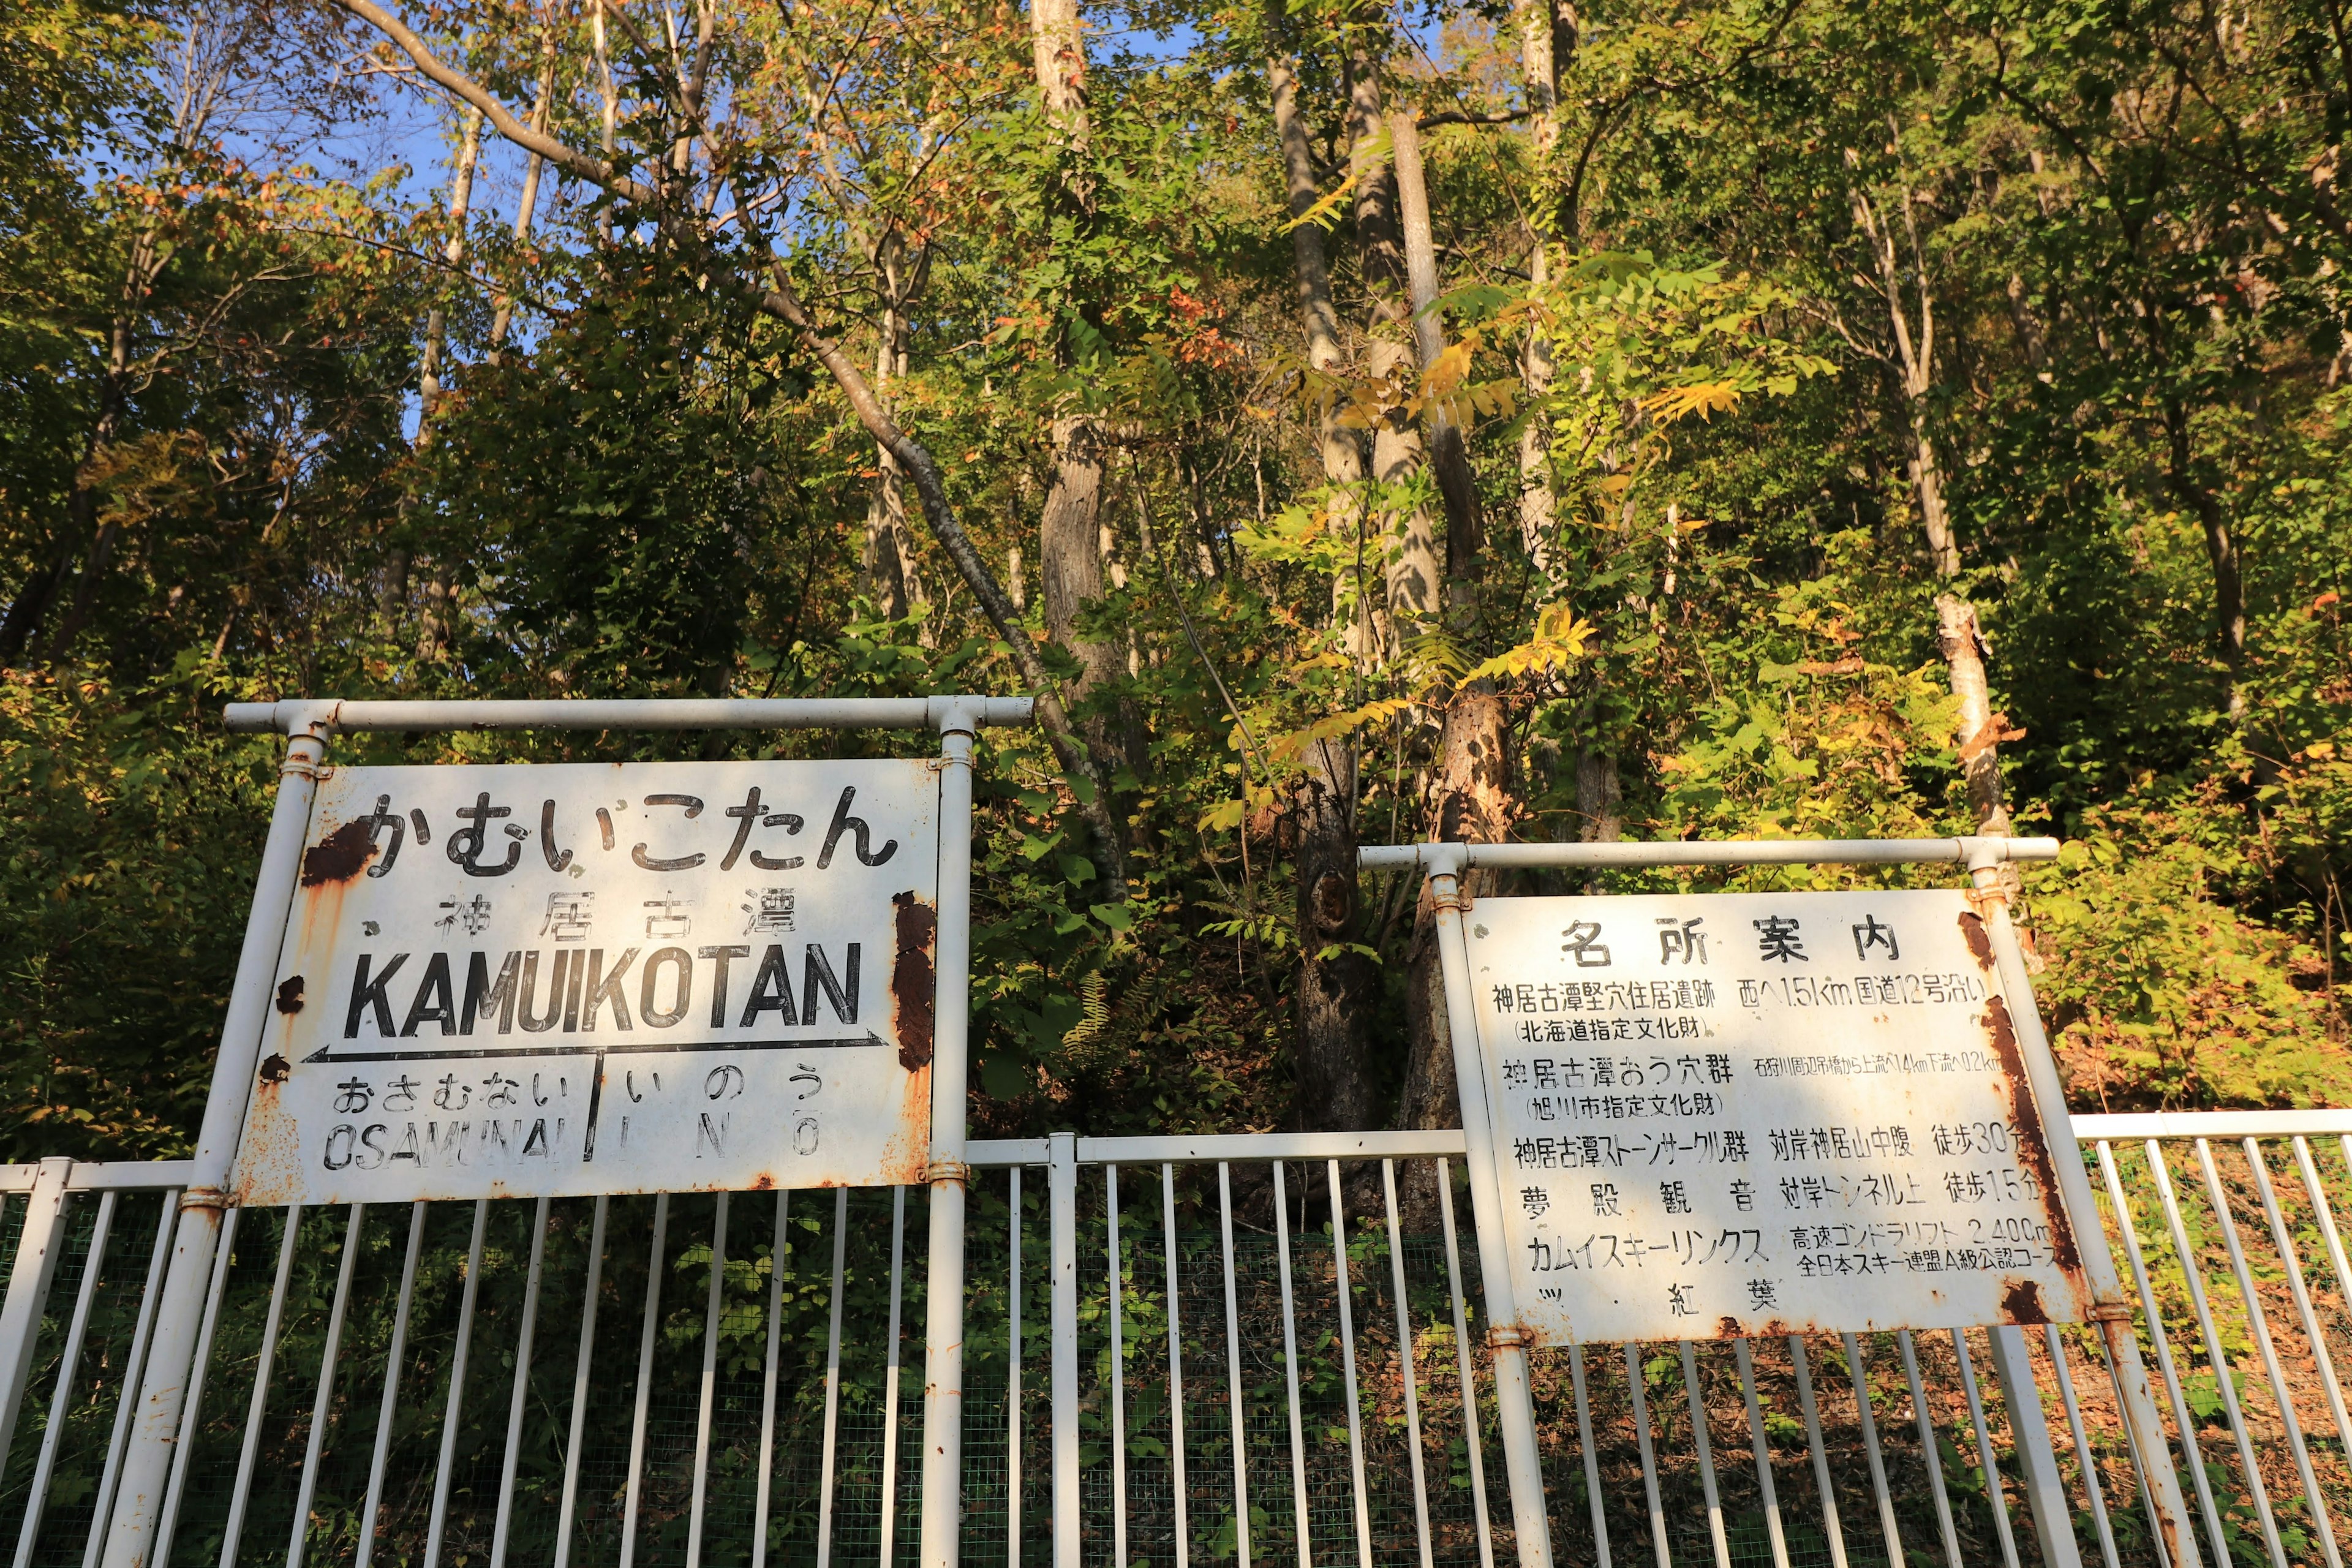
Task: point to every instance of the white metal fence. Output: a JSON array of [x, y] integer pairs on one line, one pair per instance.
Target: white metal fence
[[1248, 1350]]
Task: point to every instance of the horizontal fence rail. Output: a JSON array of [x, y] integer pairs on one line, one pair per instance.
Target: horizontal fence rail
[[1447, 859], [294, 715], [1266, 1350]]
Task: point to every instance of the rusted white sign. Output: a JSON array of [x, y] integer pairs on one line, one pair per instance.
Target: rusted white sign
[[515, 980], [1763, 1114]]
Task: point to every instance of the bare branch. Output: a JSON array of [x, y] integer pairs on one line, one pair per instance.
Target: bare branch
[[596, 171], [1465, 117]]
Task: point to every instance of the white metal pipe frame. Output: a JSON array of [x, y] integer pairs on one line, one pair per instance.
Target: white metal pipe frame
[[1258, 1348], [1873, 1446]]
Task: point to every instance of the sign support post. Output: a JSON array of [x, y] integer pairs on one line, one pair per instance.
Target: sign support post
[[147, 1458], [2111, 1309], [2037, 1460], [1514, 1394], [943, 1299]]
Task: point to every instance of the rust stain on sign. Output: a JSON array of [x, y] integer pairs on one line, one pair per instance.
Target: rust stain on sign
[[339, 856], [912, 984], [289, 994], [908, 1160], [2023, 1303], [1979, 941], [2032, 1140], [269, 1157], [275, 1068]]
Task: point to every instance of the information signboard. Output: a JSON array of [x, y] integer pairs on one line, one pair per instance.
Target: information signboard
[[514, 981], [1742, 1114]]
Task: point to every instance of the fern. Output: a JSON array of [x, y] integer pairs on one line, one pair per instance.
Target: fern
[[1094, 1017]]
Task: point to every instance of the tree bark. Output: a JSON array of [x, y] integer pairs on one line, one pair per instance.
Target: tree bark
[[1910, 359], [1982, 730], [1337, 986], [1069, 546], [1449, 456], [892, 575], [608, 99], [1597, 793], [774, 296], [1541, 68], [433, 624], [1069, 532], [31, 603], [1470, 800], [527, 204], [2220, 550], [1408, 539]]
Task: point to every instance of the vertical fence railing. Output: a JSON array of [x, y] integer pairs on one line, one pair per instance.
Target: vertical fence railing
[[1263, 1350]]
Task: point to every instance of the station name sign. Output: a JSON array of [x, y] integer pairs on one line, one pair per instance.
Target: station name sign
[[1741, 1114], [515, 980]]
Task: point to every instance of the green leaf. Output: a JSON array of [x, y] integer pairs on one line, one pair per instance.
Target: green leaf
[[1001, 1077]]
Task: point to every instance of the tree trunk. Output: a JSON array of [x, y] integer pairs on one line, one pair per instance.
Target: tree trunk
[[1070, 552], [1470, 800], [527, 205], [1449, 456], [1927, 491], [1059, 56], [2031, 341], [1540, 66], [2220, 550], [1910, 360], [1597, 793], [31, 603], [434, 625], [1337, 986], [1070, 534], [608, 99], [1409, 540], [891, 575], [1982, 730]]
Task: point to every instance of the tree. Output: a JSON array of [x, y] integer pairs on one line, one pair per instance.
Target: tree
[[1572, 426], [763, 280]]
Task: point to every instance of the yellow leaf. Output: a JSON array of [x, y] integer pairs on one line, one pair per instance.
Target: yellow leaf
[[1559, 641], [1452, 369], [1222, 816], [1290, 747], [1704, 399], [1325, 213]]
